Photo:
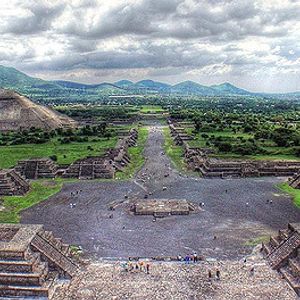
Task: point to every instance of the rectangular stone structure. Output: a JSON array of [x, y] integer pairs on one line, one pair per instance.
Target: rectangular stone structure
[[162, 207]]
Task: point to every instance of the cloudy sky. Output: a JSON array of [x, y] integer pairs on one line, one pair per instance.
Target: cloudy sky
[[254, 44]]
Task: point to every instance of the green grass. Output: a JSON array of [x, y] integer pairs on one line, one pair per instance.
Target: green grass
[[137, 158], [151, 109], [40, 190], [295, 193], [66, 153], [258, 240], [175, 152]]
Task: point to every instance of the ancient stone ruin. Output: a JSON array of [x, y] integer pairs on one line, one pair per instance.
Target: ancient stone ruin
[[37, 168], [295, 181], [90, 168], [179, 135], [162, 207], [283, 254], [197, 160], [31, 261], [12, 184], [103, 166]]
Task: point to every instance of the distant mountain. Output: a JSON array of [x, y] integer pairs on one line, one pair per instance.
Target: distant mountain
[[192, 88], [152, 85], [124, 83], [76, 85], [229, 89], [43, 90], [14, 79]]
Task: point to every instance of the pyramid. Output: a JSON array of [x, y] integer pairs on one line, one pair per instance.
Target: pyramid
[[17, 112]]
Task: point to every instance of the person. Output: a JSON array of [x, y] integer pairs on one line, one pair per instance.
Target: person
[[187, 259], [195, 257], [179, 257], [147, 267], [130, 267], [209, 275], [252, 271], [218, 274], [141, 264]]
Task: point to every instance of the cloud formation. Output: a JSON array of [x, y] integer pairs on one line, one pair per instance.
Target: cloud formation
[[252, 43]]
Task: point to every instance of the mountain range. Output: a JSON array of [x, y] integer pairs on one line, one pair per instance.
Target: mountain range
[[13, 79]]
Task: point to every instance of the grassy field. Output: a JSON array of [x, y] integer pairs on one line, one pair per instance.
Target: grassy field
[[174, 152], [136, 156], [295, 193], [40, 190], [151, 109], [66, 153]]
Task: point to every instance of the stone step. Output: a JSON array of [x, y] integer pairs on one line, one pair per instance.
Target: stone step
[[14, 266], [21, 279], [23, 291]]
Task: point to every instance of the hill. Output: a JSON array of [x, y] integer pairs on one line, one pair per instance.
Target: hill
[[18, 112], [68, 91]]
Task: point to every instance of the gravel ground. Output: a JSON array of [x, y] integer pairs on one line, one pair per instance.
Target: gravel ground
[[235, 211], [179, 281]]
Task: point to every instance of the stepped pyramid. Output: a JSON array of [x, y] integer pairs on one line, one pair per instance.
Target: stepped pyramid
[[11, 183], [31, 261], [18, 112]]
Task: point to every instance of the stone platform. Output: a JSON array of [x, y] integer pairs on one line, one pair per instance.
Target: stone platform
[[162, 207]]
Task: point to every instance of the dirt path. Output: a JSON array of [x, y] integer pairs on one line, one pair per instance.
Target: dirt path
[[226, 214]]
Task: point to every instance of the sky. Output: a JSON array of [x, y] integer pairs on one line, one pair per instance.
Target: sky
[[254, 44]]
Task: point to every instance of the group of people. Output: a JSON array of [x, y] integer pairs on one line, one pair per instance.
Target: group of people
[[136, 266], [188, 258]]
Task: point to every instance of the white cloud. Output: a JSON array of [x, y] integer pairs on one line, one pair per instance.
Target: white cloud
[[251, 43]]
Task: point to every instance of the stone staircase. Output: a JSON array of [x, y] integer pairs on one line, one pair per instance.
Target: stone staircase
[[31, 261], [295, 181], [283, 254]]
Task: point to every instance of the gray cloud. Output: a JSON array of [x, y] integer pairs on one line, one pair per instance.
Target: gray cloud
[[41, 15], [206, 40]]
